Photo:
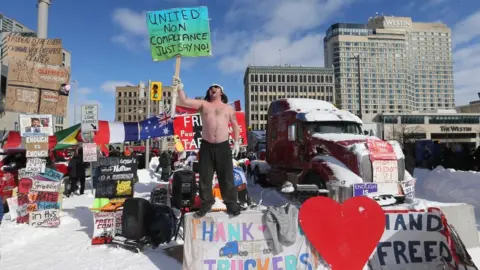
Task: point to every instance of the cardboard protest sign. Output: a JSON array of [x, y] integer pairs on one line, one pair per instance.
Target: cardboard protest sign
[[39, 202], [89, 152], [38, 75], [179, 32], [33, 100], [48, 51], [36, 146], [384, 161], [188, 128], [36, 165]]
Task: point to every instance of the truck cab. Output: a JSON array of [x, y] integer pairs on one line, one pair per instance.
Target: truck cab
[[311, 142]]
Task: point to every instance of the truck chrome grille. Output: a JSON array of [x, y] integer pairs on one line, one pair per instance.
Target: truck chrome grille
[[401, 168], [365, 168]]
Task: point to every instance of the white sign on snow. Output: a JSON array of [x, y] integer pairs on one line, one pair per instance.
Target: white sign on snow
[[89, 117]]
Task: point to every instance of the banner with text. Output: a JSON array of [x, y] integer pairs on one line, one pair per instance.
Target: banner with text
[[188, 128], [39, 202], [413, 240], [179, 31], [114, 177], [384, 161], [47, 51]]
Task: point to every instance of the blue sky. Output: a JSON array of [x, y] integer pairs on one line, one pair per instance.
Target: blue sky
[[108, 39]]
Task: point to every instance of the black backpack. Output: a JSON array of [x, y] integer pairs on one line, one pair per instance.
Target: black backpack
[[162, 224]]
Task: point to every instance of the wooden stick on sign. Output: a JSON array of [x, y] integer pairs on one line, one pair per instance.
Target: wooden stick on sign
[[175, 90]]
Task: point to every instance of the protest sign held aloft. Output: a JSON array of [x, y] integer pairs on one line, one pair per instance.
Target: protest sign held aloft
[[179, 32]]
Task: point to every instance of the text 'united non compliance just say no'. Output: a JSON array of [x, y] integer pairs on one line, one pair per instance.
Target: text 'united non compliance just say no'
[[180, 31]]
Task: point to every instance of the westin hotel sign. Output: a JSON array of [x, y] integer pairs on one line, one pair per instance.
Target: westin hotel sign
[[388, 22]]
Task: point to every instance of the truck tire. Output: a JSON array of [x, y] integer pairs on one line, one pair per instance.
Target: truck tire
[[314, 179]]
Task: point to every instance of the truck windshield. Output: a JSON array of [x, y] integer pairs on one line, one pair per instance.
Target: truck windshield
[[334, 127]]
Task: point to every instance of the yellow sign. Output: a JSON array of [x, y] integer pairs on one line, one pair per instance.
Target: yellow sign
[[156, 91], [124, 188], [178, 144]]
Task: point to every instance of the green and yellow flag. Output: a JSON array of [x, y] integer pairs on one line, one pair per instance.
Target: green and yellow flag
[[67, 137]]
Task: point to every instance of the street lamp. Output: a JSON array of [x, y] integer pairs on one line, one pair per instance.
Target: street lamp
[[75, 96], [357, 58]]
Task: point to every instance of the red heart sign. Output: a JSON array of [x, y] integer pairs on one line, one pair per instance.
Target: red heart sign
[[24, 185], [345, 235]]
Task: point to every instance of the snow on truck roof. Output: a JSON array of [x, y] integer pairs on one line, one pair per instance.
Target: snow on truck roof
[[312, 110]]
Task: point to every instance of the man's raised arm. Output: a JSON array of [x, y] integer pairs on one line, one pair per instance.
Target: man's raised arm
[[236, 133], [189, 102]]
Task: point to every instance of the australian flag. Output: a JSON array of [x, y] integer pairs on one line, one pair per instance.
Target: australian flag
[[160, 125]]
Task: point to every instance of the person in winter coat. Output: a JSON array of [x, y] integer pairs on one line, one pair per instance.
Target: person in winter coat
[[76, 168], [165, 164]]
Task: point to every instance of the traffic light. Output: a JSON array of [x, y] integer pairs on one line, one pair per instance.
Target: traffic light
[[156, 91]]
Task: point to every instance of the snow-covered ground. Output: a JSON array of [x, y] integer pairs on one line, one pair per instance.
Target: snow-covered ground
[[450, 186], [69, 246]]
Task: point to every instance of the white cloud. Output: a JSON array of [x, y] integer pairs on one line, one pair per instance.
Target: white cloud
[[84, 91], [467, 68], [133, 25], [283, 32], [467, 29], [109, 86]]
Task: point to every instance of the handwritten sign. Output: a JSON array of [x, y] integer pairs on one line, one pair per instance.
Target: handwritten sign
[[89, 152], [38, 75], [52, 102], [380, 150], [412, 240], [45, 218], [48, 51], [48, 186], [52, 174], [36, 146], [408, 188], [36, 165], [179, 31], [385, 171]]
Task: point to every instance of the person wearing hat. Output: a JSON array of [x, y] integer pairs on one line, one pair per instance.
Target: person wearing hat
[[215, 152]]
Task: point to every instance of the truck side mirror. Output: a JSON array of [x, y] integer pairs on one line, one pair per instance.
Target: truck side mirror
[[291, 132], [365, 132], [373, 133]]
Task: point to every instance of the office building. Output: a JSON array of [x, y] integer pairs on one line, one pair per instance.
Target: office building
[[405, 66], [264, 84], [9, 120], [131, 107], [444, 126]]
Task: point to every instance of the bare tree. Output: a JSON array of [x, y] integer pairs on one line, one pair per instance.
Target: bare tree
[[404, 133]]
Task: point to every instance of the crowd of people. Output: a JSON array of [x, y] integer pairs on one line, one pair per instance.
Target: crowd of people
[[458, 157]]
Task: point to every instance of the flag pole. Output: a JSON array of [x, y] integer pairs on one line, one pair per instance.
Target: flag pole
[[147, 143]]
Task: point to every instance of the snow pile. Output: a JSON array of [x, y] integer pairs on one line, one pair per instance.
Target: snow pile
[[448, 185]]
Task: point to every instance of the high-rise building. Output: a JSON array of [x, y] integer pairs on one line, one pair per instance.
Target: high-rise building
[[131, 107], [404, 66], [264, 84], [9, 120]]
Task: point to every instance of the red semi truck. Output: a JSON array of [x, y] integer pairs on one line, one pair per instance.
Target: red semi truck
[[311, 142]]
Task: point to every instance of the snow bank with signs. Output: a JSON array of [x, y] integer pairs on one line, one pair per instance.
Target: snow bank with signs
[[460, 190], [448, 185]]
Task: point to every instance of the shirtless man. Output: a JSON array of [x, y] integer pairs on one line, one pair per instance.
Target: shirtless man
[[215, 154]]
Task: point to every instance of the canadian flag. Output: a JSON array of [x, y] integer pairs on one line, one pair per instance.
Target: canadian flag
[[236, 105]]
